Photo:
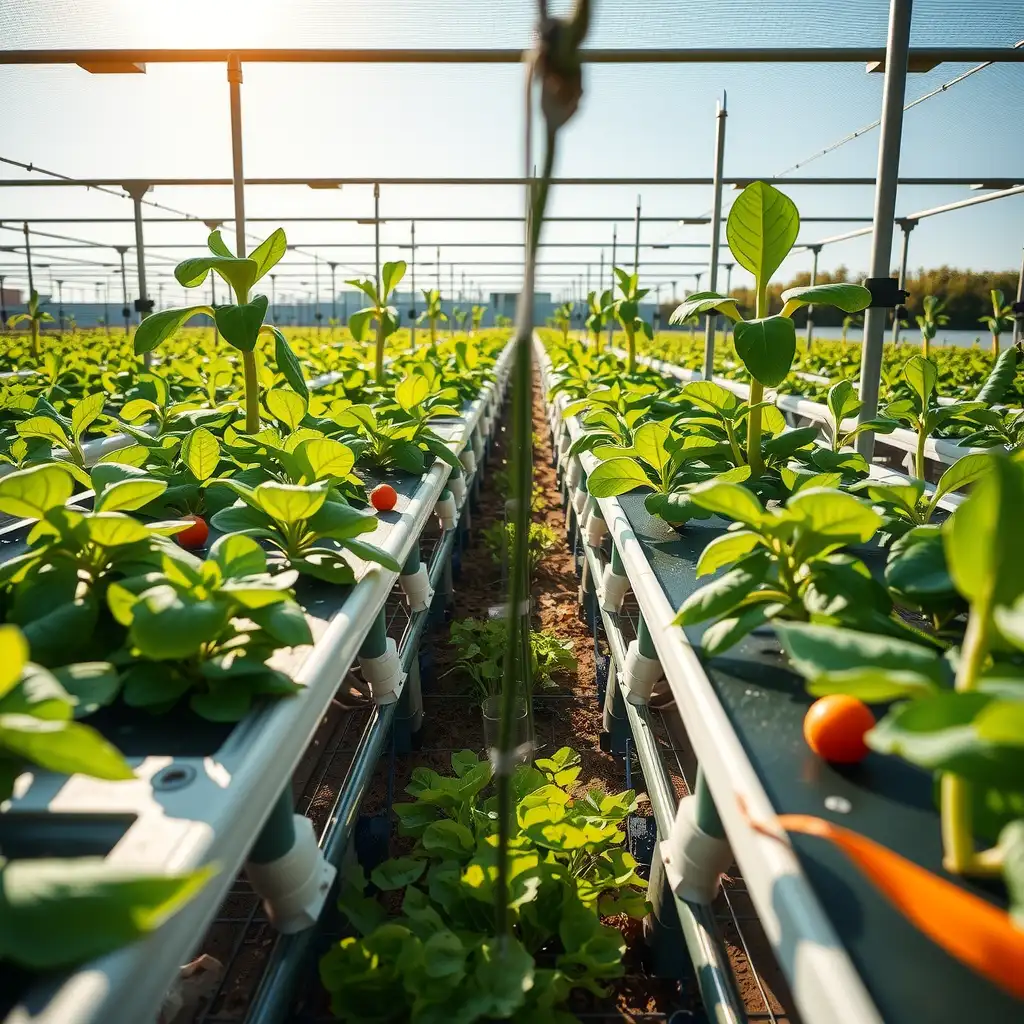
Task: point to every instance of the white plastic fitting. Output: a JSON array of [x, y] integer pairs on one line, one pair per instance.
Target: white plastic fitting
[[446, 511], [639, 673], [468, 460], [573, 472], [613, 590], [595, 529], [579, 500], [694, 861], [477, 441], [457, 485], [416, 586], [384, 674], [561, 446], [294, 887]]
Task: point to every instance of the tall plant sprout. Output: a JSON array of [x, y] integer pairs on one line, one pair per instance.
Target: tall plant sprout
[[556, 66], [1000, 320]]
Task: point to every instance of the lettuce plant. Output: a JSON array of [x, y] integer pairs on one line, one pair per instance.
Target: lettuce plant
[[562, 319], [761, 230], [240, 324], [439, 958], [626, 309], [930, 319], [599, 308], [433, 314], [1000, 320], [63, 433], [385, 316], [34, 317]]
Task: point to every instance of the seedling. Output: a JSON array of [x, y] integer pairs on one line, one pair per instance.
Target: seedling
[[627, 311], [385, 316], [34, 317], [999, 321], [930, 320], [599, 308], [433, 314]]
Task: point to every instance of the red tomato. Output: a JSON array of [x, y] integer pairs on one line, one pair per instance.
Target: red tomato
[[195, 536], [383, 497], [834, 728]]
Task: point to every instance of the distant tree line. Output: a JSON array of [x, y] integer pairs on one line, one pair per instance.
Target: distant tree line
[[965, 292]]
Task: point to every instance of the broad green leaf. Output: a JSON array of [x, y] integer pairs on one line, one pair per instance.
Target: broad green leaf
[[158, 327], [289, 503], [92, 684], [397, 873], [843, 401], [850, 298], [239, 273], [371, 553], [216, 244], [85, 412], [327, 458], [411, 392], [200, 451], [922, 375], [1011, 842], [129, 495], [288, 364], [359, 324], [761, 229], [285, 622], [723, 594], [167, 626], [62, 746], [391, 274], [504, 974], [835, 514], [649, 443], [13, 656], [704, 302], [871, 684], [616, 476], [730, 500], [92, 907], [983, 540], [724, 550], [240, 325], [43, 426], [268, 253], [963, 472], [706, 394], [238, 555], [448, 838], [286, 406], [112, 529], [728, 632], [340, 520], [31, 493], [766, 347]]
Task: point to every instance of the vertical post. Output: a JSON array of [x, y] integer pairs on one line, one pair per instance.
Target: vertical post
[[451, 299], [60, 310], [1018, 322], [125, 310], [711, 320], [28, 259], [906, 226], [317, 315], [137, 191], [106, 306], [611, 320], [3, 306], [273, 295], [412, 285], [438, 266], [893, 95], [816, 251], [334, 298], [636, 238]]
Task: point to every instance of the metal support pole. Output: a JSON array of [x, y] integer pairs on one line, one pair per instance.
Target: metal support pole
[[437, 264], [611, 320], [816, 251], [1018, 323], [125, 311], [137, 192], [728, 291], [893, 96], [273, 295], [60, 310], [317, 315], [3, 306], [334, 298], [412, 285], [711, 321], [636, 239], [237, 173], [906, 226]]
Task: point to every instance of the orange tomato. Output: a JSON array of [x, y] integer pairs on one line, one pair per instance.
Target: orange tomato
[[195, 536], [834, 728], [383, 497]]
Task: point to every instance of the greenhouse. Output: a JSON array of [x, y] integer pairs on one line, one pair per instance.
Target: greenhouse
[[511, 518]]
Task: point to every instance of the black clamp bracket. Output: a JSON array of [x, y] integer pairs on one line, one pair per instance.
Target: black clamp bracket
[[412, 313], [886, 293], [126, 311], [144, 305]]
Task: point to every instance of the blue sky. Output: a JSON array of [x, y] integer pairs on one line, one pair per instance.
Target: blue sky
[[329, 120]]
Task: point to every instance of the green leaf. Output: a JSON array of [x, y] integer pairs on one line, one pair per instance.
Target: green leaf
[[724, 550], [327, 458], [504, 973], [289, 503], [112, 529], [240, 325], [158, 327], [727, 632], [922, 375], [850, 298], [85, 412], [1011, 842], [766, 347], [835, 514], [288, 364], [92, 684], [397, 873], [371, 553], [650, 444], [167, 626], [730, 500], [129, 495], [963, 472], [340, 520], [708, 395], [13, 656], [390, 276], [704, 302], [285, 622], [411, 392], [31, 493], [359, 324], [761, 229], [268, 253], [287, 407], [216, 244], [843, 401], [723, 594], [448, 839], [91, 907], [240, 273], [238, 555], [46, 427], [983, 540], [62, 746], [616, 476], [200, 452]]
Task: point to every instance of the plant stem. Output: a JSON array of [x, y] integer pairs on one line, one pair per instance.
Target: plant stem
[[378, 366], [756, 396], [630, 348], [252, 393], [922, 437], [955, 798]]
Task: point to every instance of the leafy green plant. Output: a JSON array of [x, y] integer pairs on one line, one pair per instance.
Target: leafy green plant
[[34, 317], [481, 644], [599, 308], [439, 958], [626, 309], [843, 403], [500, 537], [1000, 320], [66, 434], [433, 314], [240, 324], [930, 319], [477, 317], [761, 229], [562, 319], [385, 316]]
